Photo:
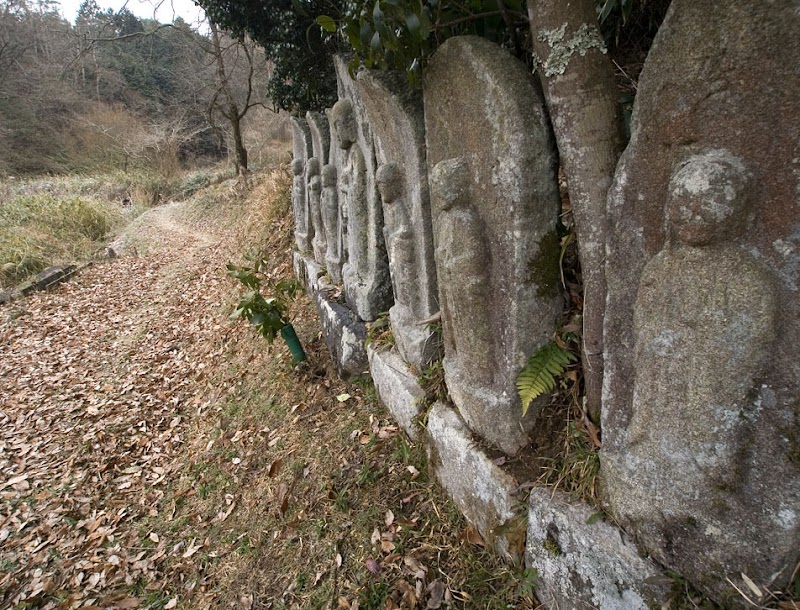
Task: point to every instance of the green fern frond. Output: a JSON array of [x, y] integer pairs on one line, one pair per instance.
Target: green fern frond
[[540, 373]]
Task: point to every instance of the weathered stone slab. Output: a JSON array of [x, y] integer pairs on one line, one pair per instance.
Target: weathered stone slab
[[480, 488], [398, 125], [495, 203], [701, 418], [320, 136], [303, 151], [398, 387], [345, 335], [48, 278], [584, 562], [308, 271], [365, 271]]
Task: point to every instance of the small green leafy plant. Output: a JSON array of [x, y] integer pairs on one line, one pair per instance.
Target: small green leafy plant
[[268, 314], [379, 332], [541, 372]]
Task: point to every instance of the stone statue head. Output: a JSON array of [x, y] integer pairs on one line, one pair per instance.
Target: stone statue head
[[297, 167], [708, 198], [329, 175], [450, 182], [344, 123], [313, 167], [390, 182]]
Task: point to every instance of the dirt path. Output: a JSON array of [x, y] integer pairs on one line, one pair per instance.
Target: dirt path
[[94, 380], [155, 455]]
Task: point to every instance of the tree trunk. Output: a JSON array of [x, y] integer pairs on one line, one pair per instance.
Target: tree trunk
[[581, 98], [240, 150], [234, 113]]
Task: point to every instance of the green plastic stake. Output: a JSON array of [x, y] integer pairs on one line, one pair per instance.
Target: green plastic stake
[[288, 334]]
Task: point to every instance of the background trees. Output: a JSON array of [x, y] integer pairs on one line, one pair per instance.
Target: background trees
[[113, 91], [301, 54]]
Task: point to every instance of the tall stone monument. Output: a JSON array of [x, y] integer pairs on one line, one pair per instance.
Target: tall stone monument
[[398, 126], [701, 416], [302, 152], [331, 220], [365, 271], [320, 144], [320, 136], [314, 191], [495, 203]]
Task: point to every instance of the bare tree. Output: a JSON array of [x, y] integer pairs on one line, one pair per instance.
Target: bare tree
[[236, 66]]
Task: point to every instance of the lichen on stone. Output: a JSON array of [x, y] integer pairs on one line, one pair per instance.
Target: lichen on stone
[[585, 38]]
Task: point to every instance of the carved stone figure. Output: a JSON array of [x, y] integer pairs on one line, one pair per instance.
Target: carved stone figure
[[318, 241], [397, 122], [397, 232], [702, 341], [332, 222], [702, 324], [299, 201], [365, 271], [464, 283], [494, 195], [301, 142]]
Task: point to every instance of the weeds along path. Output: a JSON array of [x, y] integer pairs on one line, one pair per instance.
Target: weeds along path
[[154, 455]]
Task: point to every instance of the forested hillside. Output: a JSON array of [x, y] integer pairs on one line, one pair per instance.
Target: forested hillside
[[116, 92]]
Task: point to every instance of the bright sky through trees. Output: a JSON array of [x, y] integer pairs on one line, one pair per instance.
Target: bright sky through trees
[[165, 11]]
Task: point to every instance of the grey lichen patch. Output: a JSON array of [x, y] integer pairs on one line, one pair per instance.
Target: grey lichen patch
[[585, 38], [544, 269]]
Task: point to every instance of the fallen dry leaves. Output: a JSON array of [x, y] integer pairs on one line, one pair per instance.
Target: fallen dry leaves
[[95, 382], [154, 456]]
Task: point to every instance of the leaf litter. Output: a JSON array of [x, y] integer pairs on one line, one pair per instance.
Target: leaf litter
[[152, 455]]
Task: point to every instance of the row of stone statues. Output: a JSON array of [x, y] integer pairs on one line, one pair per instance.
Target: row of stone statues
[[443, 205], [459, 247]]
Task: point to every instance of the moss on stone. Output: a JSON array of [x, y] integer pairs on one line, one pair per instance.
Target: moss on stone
[[551, 546], [544, 269]]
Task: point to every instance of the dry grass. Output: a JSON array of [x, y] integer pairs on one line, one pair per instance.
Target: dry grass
[[328, 505], [42, 229]]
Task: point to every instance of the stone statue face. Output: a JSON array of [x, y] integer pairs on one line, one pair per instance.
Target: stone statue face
[[708, 198], [390, 182], [450, 184], [297, 167], [313, 166], [329, 175], [315, 184], [344, 123]]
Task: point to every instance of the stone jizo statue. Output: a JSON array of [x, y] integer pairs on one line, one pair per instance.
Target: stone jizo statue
[[299, 205], [398, 234], [462, 260], [331, 220], [704, 320], [319, 244], [352, 196]]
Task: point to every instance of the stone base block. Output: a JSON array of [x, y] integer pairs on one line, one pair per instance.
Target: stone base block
[[480, 489], [308, 271], [397, 387], [344, 333], [584, 562]]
